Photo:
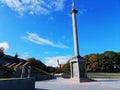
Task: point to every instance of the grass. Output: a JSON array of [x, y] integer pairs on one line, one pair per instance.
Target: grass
[[4, 78], [9, 78], [98, 75], [37, 70], [104, 75]]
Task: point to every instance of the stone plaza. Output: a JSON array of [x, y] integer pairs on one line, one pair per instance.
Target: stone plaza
[[67, 84]]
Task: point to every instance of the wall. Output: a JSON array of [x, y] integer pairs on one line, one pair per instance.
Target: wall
[[17, 84]]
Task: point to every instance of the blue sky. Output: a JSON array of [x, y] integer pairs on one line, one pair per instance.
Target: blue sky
[[43, 28]]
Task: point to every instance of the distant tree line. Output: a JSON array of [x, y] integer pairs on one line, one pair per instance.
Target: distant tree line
[[109, 61], [37, 63]]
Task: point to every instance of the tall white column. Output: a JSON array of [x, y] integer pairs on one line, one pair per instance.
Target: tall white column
[[75, 34], [77, 63]]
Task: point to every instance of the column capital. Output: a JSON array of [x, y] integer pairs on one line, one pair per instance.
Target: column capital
[[74, 11]]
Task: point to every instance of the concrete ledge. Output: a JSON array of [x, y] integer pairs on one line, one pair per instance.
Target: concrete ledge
[[17, 84]]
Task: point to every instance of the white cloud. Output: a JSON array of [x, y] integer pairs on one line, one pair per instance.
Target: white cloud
[[52, 61], [56, 4], [4, 45], [34, 6], [39, 40]]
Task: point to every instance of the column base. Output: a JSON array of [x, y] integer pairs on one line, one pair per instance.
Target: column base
[[78, 69]]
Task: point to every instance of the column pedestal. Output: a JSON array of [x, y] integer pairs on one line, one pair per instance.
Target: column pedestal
[[78, 68]]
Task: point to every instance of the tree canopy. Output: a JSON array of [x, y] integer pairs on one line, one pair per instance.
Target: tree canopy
[[37, 63], [1, 52], [109, 61]]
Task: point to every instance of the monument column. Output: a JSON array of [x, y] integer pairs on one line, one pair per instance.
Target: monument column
[[75, 35], [77, 63]]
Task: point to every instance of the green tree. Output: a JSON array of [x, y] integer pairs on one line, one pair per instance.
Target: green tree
[[51, 69], [108, 61], [37, 63], [16, 59], [93, 63], [2, 61], [1, 52], [66, 68]]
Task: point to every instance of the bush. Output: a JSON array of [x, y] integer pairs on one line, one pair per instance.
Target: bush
[[5, 72], [66, 75]]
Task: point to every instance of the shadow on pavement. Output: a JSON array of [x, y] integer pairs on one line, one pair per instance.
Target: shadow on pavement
[[87, 80], [41, 89]]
